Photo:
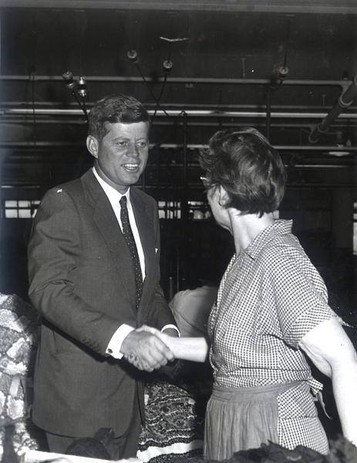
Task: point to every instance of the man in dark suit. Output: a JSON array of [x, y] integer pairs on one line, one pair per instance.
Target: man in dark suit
[[93, 294]]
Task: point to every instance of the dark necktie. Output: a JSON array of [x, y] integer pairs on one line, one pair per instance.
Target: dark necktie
[[130, 241]]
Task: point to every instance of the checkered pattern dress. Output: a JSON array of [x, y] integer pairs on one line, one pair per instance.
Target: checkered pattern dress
[[271, 296]]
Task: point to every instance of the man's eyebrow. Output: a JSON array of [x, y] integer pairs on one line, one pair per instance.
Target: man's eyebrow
[[121, 137]]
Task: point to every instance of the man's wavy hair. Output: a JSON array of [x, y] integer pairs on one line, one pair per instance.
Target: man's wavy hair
[[117, 108], [248, 167]]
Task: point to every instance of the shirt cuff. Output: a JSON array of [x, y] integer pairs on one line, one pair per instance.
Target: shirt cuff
[[117, 339], [172, 327]]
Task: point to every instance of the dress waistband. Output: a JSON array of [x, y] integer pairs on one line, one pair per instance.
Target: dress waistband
[[248, 393]]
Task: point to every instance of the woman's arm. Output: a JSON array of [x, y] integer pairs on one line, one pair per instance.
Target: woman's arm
[[184, 348], [330, 349], [194, 349]]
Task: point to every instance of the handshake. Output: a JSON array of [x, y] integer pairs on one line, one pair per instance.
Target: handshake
[[148, 348]]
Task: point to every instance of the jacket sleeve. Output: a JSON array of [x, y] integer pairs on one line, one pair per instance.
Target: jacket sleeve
[[53, 253], [160, 313]]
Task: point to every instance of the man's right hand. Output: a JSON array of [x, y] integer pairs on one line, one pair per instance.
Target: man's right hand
[[145, 350]]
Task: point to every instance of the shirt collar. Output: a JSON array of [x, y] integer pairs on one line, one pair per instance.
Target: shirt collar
[[111, 192], [277, 228]]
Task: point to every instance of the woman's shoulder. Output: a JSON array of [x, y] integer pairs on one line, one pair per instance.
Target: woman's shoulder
[[283, 247]]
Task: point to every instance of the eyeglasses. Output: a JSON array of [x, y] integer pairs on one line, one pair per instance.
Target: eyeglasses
[[206, 183], [204, 180]]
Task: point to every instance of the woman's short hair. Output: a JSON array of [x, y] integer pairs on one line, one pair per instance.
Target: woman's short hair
[[248, 167], [112, 109]]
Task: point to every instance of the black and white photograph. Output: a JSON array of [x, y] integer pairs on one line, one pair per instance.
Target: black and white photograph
[[178, 231]]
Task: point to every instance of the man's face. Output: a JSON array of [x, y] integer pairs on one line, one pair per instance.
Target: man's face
[[122, 154]]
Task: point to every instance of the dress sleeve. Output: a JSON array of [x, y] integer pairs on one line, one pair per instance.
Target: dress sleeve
[[300, 294]]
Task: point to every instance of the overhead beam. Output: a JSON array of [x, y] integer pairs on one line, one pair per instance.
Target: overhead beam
[[268, 6]]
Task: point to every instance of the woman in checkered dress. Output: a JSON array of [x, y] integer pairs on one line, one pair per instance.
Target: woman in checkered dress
[[271, 311]]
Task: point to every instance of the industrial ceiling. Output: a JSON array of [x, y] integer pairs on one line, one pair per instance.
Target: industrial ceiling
[[286, 67]]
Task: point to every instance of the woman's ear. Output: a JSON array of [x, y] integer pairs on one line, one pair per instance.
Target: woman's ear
[[92, 145], [223, 197]]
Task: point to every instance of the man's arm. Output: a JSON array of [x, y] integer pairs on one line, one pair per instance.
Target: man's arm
[[55, 256], [158, 312]]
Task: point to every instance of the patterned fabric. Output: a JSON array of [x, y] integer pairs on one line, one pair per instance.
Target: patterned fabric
[[173, 424], [269, 298], [130, 241], [19, 332]]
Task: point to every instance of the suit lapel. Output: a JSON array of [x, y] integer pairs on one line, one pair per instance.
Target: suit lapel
[[108, 226], [145, 228]]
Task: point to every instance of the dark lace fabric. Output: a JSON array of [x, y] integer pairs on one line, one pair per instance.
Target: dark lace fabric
[[173, 423]]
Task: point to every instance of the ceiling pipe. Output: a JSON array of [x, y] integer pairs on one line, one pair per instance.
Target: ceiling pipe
[[176, 80], [344, 101], [190, 112], [45, 144]]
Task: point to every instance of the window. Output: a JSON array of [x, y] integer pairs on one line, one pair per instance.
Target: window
[[169, 209], [20, 209], [197, 210]]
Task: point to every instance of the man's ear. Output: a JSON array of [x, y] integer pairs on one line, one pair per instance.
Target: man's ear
[[92, 145]]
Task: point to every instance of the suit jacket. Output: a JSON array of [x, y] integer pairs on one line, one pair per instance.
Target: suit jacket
[[82, 282]]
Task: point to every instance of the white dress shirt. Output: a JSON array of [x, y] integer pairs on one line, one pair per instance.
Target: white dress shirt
[[114, 197]]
